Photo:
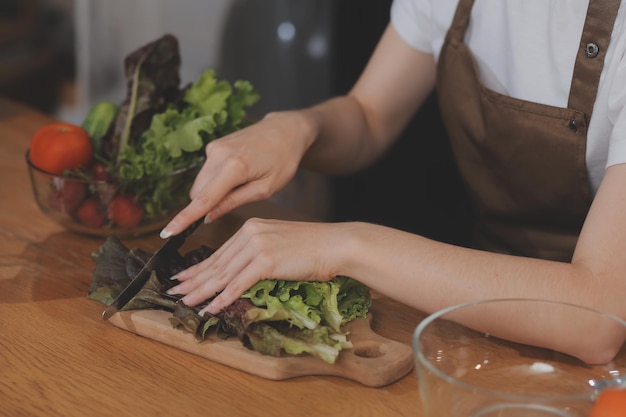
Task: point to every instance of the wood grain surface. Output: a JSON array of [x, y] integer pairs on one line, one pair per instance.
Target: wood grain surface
[[59, 358]]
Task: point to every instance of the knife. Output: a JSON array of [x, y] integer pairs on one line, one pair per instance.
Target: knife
[[170, 246]]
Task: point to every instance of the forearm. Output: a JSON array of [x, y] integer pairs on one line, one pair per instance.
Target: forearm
[[344, 142], [352, 131], [403, 265], [430, 275]]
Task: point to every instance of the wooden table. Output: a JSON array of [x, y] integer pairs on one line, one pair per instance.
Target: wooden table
[[59, 358]]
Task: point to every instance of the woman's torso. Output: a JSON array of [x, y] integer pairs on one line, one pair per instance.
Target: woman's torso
[[526, 49]]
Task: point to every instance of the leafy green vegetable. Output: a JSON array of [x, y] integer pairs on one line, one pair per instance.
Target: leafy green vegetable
[[161, 129], [98, 122], [177, 137], [152, 78], [271, 336], [115, 263], [307, 304], [273, 317]]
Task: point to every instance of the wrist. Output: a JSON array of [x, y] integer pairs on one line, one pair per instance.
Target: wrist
[[301, 125]]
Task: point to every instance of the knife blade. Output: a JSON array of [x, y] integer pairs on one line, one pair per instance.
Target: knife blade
[[170, 246]]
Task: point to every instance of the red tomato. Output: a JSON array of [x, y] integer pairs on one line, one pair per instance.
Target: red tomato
[[59, 146], [99, 171], [125, 211], [611, 402], [66, 194], [91, 214]]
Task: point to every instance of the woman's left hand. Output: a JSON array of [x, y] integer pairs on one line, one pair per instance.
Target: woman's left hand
[[261, 249]]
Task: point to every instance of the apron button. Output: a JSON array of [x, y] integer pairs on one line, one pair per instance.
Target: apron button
[[591, 50], [573, 126]]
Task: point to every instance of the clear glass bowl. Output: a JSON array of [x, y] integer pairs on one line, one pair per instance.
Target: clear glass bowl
[[105, 207], [463, 372]]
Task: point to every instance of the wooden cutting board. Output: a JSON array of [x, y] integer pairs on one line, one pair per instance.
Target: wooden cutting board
[[374, 361]]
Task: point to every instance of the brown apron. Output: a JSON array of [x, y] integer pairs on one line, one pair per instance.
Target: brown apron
[[523, 163]]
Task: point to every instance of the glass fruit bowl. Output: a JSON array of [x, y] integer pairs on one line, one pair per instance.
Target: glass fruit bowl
[[105, 207]]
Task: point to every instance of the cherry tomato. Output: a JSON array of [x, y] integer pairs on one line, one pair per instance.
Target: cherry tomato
[[125, 211], [100, 172], [59, 146], [91, 214], [66, 194], [611, 402]]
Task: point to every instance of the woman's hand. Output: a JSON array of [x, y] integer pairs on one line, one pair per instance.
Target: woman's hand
[[261, 249], [249, 165]]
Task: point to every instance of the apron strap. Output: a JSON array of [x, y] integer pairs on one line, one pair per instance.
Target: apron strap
[[457, 29], [594, 43]]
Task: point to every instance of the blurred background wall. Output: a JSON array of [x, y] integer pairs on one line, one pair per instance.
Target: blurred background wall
[[36, 50], [63, 56]]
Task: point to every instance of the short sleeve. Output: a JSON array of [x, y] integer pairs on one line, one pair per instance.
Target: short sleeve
[[616, 107], [412, 20]]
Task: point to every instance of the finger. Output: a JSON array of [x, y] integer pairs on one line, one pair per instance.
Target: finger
[[247, 193], [191, 271], [205, 291], [213, 191], [192, 212], [202, 281], [231, 292], [248, 270], [194, 276], [202, 179], [210, 282]]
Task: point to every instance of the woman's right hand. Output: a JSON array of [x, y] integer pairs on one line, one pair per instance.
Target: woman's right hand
[[339, 136], [249, 165]]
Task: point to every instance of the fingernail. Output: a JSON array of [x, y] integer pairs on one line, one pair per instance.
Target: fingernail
[[210, 308], [165, 233], [201, 313], [173, 277], [171, 291], [207, 219]]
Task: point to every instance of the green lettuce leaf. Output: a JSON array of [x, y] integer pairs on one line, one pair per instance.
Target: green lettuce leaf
[[274, 317], [177, 136]]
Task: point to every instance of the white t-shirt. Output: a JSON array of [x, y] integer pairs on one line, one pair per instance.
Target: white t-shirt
[[527, 49]]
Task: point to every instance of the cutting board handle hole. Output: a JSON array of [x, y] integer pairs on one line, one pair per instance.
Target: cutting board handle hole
[[367, 349]]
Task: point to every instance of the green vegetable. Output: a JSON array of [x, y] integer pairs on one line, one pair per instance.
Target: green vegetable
[[273, 317], [177, 137], [152, 78], [98, 121], [307, 304], [315, 311], [161, 128]]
